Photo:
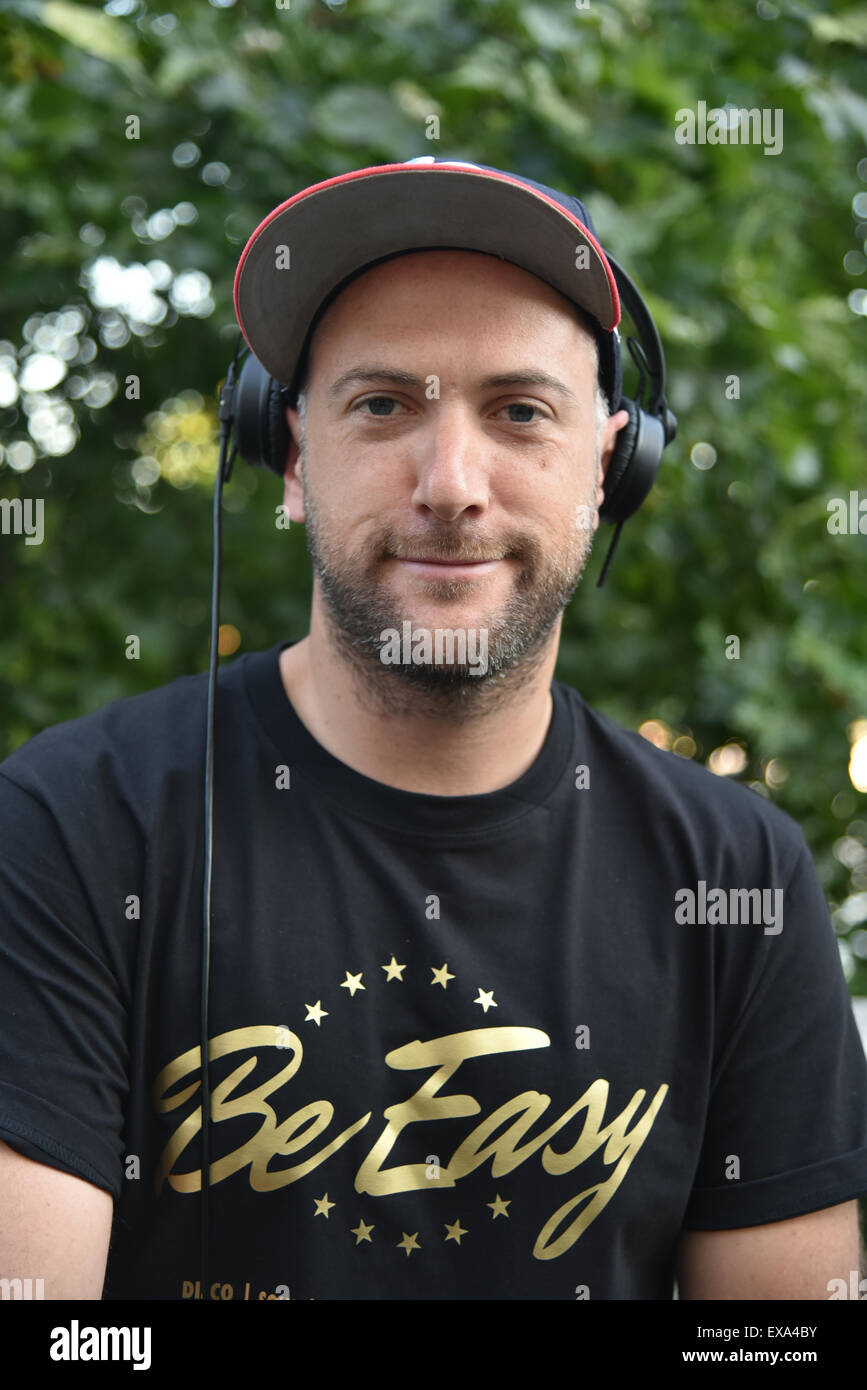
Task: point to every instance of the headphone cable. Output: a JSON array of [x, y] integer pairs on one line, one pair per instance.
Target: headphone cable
[[225, 462]]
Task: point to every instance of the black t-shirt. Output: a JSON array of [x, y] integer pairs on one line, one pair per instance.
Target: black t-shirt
[[463, 1047]]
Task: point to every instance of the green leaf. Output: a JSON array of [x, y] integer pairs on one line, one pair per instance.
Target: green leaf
[[94, 32], [357, 114], [491, 66], [849, 27], [556, 111], [551, 29]]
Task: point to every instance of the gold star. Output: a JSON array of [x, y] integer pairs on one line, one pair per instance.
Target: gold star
[[441, 976], [408, 1243], [362, 1232], [393, 970], [352, 983], [323, 1206], [486, 999], [455, 1232], [499, 1207], [315, 1013]]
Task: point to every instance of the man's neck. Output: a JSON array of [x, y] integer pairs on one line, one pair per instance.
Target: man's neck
[[434, 756]]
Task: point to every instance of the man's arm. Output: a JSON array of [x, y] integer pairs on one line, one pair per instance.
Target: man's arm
[[792, 1259], [53, 1226]]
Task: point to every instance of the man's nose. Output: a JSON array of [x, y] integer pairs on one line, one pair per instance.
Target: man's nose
[[452, 467]]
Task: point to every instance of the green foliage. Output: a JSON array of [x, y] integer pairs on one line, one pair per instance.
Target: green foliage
[[740, 255]]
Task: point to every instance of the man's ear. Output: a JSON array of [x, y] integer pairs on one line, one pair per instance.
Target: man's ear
[[608, 442], [293, 496]]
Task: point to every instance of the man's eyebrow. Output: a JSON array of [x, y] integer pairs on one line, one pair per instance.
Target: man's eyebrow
[[530, 378], [374, 373]]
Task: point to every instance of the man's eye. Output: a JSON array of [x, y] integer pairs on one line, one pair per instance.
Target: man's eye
[[385, 407], [376, 402], [525, 406]]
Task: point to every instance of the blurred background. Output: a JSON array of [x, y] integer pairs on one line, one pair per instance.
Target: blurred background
[[142, 144]]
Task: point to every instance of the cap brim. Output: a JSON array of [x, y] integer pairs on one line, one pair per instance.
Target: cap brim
[[315, 240]]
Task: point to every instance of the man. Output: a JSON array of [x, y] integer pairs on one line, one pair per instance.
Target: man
[[490, 1017]]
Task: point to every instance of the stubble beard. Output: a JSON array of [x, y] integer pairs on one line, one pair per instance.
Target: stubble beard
[[358, 610]]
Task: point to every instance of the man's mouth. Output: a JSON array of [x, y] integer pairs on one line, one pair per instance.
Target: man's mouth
[[452, 569]]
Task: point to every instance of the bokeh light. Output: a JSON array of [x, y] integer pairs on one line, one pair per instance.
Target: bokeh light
[[228, 640], [179, 444], [728, 760], [858, 755], [657, 733]]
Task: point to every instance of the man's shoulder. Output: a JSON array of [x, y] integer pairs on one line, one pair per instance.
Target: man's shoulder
[[129, 739], [677, 789]]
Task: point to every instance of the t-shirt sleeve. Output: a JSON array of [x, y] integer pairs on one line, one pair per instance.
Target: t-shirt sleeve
[[786, 1128], [63, 1019]]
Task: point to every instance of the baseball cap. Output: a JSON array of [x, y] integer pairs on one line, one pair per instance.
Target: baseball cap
[[311, 246]]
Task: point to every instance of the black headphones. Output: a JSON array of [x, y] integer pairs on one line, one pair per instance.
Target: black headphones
[[650, 429], [262, 433]]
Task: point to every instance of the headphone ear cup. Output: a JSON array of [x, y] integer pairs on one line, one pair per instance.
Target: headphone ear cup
[[262, 433], [634, 464], [278, 436]]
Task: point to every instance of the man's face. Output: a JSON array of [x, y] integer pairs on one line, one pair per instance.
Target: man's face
[[440, 485]]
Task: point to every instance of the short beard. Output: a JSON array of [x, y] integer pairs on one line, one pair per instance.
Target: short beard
[[359, 611]]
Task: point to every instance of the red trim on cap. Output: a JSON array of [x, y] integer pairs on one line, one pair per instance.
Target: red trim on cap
[[425, 168]]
